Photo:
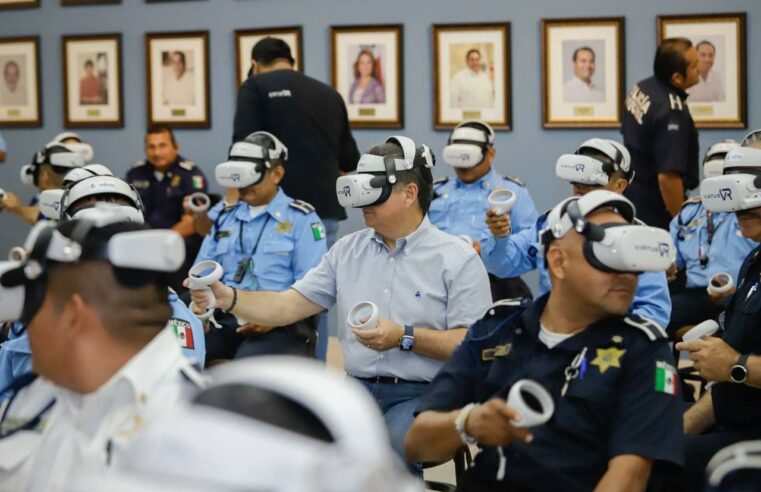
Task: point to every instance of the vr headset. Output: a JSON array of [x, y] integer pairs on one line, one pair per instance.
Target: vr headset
[[50, 200], [247, 162], [102, 185], [585, 169], [80, 146], [752, 139], [132, 254], [59, 156], [713, 163], [468, 144], [612, 247], [376, 175], [734, 192]]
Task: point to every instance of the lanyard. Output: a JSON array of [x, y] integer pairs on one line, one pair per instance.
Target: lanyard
[[258, 238], [15, 387], [710, 231]]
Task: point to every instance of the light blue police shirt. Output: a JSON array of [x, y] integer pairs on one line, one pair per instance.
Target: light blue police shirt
[[517, 254], [3, 146], [288, 237], [728, 249], [432, 280], [460, 208]]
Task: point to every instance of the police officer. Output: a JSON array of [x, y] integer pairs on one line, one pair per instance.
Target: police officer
[[611, 378], [707, 243], [459, 204], [266, 241], [596, 164], [661, 136], [163, 180], [731, 411]]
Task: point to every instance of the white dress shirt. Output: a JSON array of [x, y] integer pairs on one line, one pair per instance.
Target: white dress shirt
[[469, 89], [88, 433], [578, 91], [710, 89], [178, 91]]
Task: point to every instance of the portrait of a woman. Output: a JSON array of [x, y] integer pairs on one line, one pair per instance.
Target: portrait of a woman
[[366, 87]]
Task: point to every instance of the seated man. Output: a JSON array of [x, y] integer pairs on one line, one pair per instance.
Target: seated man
[[428, 286], [93, 297], [611, 377], [459, 204], [266, 241], [597, 164], [707, 243], [731, 410]]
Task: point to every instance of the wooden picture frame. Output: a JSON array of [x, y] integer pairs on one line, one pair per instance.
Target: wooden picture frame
[[374, 99], [20, 86], [75, 3], [719, 99], [245, 39], [583, 72], [472, 74], [92, 81], [19, 4], [177, 79]]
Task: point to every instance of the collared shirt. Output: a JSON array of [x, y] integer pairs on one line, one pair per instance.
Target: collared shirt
[[17, 97], [578, 91], [624, 400], [178, 91], [3, 146], [280, 245], [88, 433], [460, 208], [469, 89], [432, 280], [709, 89], [517, 254], [722, 251]]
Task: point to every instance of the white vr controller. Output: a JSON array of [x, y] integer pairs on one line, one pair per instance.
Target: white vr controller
[[721, 283], [199, 202], [705, 329], [362, 310], [501, 201], [17, 253], [535, 412], [202, 275]]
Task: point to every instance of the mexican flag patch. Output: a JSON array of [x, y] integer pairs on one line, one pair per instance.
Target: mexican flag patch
[[318, 231], [666, 380], [198, 182], [184, 333]]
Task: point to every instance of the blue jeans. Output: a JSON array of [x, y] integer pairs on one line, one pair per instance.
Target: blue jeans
[[321, 350], [397, 403]]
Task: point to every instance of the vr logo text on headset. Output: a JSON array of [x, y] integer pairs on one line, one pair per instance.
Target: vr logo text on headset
[[739, 188], [594, 164], [238, 171], [468, 144]]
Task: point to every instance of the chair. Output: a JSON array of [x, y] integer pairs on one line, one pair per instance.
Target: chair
[[462, 460]]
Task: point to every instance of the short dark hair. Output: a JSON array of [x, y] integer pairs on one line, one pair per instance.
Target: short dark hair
[[421, 176], [705, 41], [472, 50], [154, 129], [583, 48], [89, 63], [182, 57], [264, 141], [269, 49], [669, 58]]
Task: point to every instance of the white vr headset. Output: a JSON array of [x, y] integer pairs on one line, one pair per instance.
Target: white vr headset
[[247, 162], [22, 284], [371, 185], [614, 247], [80, 146], [713, 164], [588, 170], [468, 144], [102, 185], [751, 139], [55, 154], [735, 192], [50, 200]]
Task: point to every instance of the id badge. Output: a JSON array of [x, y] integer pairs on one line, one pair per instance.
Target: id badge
[[240, 272]]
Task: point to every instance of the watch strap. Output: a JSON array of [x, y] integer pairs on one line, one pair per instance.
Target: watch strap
[[409, 330]]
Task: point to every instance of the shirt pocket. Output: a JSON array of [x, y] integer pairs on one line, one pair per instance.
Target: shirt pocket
[[272, 265], [587, 408]]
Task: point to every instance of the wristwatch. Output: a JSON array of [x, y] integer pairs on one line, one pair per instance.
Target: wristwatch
[[739, 373], [459, 424], [407, 341]]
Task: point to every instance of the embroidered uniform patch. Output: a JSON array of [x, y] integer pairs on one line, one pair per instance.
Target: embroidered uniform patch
[[318, 231], [198, 182], [184, 333], [607, 358], [665, 378]]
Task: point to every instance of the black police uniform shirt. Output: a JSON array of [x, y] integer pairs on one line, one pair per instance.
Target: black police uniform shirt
[[310, 119], [162, 198], [625, 399], [738, 406], [660, 134]]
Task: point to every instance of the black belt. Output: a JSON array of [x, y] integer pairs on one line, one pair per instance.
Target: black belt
[[388, 380]]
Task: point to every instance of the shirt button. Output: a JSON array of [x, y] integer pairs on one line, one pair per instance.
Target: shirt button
[[391, 260]]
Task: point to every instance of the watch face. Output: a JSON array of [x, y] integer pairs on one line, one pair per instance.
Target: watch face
[[406, 343], [738, 374]]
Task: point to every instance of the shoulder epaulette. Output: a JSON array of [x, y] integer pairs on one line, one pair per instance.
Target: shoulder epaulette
[[189, 165], [302, 206], [441, 181], [694, 199], [139, 163], [502, 310], [650, 328], [515, 180], [505, 306]]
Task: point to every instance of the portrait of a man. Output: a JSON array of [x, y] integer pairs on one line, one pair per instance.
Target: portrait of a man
[[91, 89], [473, 85], [12, 88], [580, 88], [178, 84], [710, 87]]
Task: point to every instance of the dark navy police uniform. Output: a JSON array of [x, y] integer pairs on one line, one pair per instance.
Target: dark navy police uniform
[[660, 135], [624, 400]]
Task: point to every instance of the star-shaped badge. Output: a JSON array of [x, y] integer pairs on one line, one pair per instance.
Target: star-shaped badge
[[609, 357]]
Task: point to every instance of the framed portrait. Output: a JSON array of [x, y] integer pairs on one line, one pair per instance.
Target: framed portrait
[[367, 72], [18, 4], [178, 79], [20, 94], [582, 72], [245, 39], [92, 81], [69, 3], [471, 74], [718, 99]]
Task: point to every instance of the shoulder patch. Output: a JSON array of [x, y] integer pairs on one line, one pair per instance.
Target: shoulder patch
[[505, 307], [694, 199], [440, 181], [189, 165], [139, 163], [515, 180], [302, 206], [650, 328]]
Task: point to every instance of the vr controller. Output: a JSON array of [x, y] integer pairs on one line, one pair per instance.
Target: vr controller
[[501, 201], [199, 202], [362, 310], [11, 298], [202, 275], [705, 329], [720, 283], [17, 253]]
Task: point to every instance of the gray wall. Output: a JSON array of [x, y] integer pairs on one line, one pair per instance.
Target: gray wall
[[528, 151]]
